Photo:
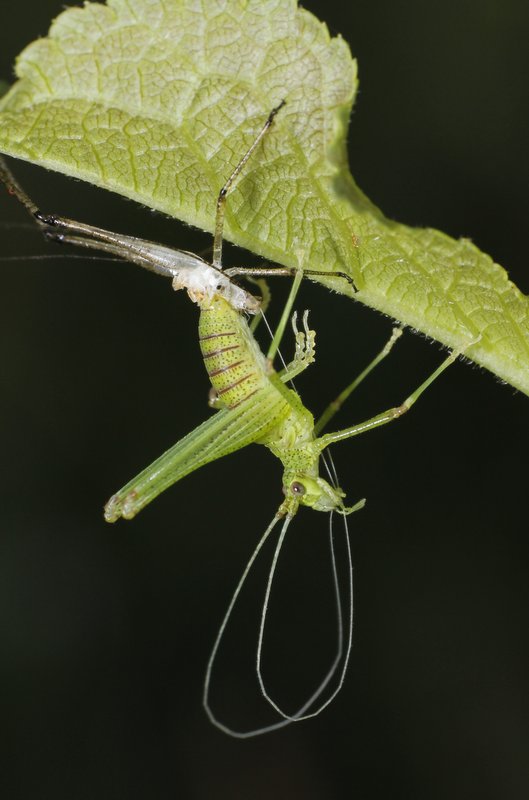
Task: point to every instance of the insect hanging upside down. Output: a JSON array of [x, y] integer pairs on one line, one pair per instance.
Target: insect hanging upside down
[[253, 402], [255, 405]]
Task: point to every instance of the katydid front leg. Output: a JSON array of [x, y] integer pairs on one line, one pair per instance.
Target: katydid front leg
[[304, 354], [335, 405], [389, 415]]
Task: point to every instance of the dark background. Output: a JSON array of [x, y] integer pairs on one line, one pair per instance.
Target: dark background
[[105, 631]]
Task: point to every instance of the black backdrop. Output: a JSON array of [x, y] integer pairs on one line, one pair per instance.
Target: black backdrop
[[105, 631]]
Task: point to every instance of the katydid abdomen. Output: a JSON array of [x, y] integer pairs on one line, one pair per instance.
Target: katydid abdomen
[[235, 365]]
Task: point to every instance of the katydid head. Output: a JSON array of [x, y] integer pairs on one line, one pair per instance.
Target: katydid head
[[316, 493]]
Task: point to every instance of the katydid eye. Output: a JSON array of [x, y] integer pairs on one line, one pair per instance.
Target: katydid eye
[[297, 488]]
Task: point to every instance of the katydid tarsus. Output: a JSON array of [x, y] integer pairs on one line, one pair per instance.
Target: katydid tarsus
[[254, 403]]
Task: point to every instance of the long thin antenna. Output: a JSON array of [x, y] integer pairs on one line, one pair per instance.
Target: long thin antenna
[[300, 715], [218, 639]]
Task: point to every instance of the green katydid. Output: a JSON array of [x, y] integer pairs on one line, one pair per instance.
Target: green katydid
[[254, 403]]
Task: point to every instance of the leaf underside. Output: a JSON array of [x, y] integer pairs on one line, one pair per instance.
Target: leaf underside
[[158, 99]]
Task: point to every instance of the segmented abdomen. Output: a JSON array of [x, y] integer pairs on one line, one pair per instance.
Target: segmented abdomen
[[235, 366]]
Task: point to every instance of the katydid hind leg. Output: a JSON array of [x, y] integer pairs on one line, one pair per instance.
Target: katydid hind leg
[[225, 432]]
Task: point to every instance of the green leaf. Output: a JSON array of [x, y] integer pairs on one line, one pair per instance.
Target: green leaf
[[158, 99]]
